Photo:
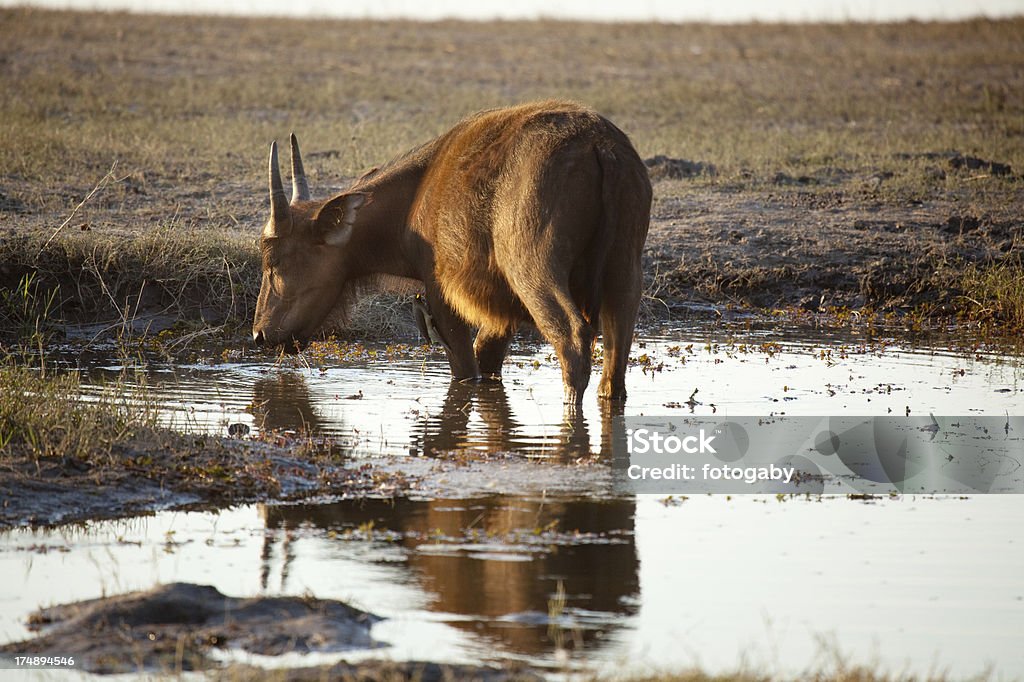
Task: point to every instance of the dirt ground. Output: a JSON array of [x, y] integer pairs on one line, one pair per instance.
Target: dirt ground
[[819, 250]]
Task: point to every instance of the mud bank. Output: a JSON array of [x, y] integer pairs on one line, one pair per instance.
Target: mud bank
[[752, 244], [177, 627], [816, 250], [174, 471]]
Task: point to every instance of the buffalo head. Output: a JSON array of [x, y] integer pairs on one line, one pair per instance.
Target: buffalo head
[[304, 257]]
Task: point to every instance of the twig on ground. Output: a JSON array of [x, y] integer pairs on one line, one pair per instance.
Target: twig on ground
[[99, 185]]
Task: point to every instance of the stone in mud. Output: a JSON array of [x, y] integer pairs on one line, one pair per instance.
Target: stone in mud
[[173, 627], [661, 167], [974, 163]]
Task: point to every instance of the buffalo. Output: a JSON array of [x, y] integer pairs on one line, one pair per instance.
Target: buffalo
[[531, 214]]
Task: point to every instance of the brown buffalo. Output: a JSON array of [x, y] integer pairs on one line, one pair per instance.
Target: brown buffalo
[[536, 213]]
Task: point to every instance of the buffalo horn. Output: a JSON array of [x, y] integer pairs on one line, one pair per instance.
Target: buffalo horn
[[300, 188]]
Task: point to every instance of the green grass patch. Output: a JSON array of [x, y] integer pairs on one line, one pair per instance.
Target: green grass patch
[[27, 311], [994, 293]]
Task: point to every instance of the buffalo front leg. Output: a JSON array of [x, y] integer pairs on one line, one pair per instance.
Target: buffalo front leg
[[490, 348], [455, 336]]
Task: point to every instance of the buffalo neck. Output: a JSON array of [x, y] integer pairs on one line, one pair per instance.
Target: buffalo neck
[[382, 241]]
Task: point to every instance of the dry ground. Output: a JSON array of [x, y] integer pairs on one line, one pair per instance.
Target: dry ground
[[868, 166]]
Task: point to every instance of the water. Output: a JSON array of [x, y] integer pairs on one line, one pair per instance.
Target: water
[[404, 402], [473, 570], [913, 584]]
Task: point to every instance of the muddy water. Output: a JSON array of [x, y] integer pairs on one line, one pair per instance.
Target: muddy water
[[530, 558]]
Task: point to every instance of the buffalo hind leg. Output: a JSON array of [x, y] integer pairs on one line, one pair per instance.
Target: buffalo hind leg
[[559, 320], [490, 348], [618, 320]]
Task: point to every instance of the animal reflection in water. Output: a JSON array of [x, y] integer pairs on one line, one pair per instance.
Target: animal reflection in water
[[487, 571], [281, 402], [479, 416], [473, 415]]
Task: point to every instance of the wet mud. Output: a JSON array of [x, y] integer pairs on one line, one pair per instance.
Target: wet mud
[[175, 471], [173, 627], [371, 671], [344, 428], [177, 627]]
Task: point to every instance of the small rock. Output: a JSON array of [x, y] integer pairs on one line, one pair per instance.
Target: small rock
[[660, 167], [974, 163], [238, 430]]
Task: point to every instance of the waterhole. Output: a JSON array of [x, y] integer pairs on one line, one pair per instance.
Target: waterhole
[[537, 561]]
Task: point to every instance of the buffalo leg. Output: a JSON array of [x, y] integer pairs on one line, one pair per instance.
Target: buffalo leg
[[560, 322], [490, 347], [455, 336], [618, 319]]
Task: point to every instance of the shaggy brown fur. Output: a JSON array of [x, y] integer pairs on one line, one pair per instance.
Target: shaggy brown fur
[[536, 213]]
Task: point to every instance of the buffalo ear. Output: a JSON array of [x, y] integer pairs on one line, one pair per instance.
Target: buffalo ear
[[336, 218]]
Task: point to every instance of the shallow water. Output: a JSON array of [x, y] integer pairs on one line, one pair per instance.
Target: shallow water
[[403, 402], [910, 584], [473, 570]]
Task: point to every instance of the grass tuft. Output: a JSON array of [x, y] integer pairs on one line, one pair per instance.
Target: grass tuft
[[995, 293], [27, 311], [43, 415]]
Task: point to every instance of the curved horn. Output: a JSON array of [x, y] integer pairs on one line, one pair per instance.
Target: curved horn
[[278, 201], [300, 188]]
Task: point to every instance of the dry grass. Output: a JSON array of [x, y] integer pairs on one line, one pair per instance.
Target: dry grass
[[172, 268], [43, 415], [194, 101], [128, 285], [183, 109], [994, 293]]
